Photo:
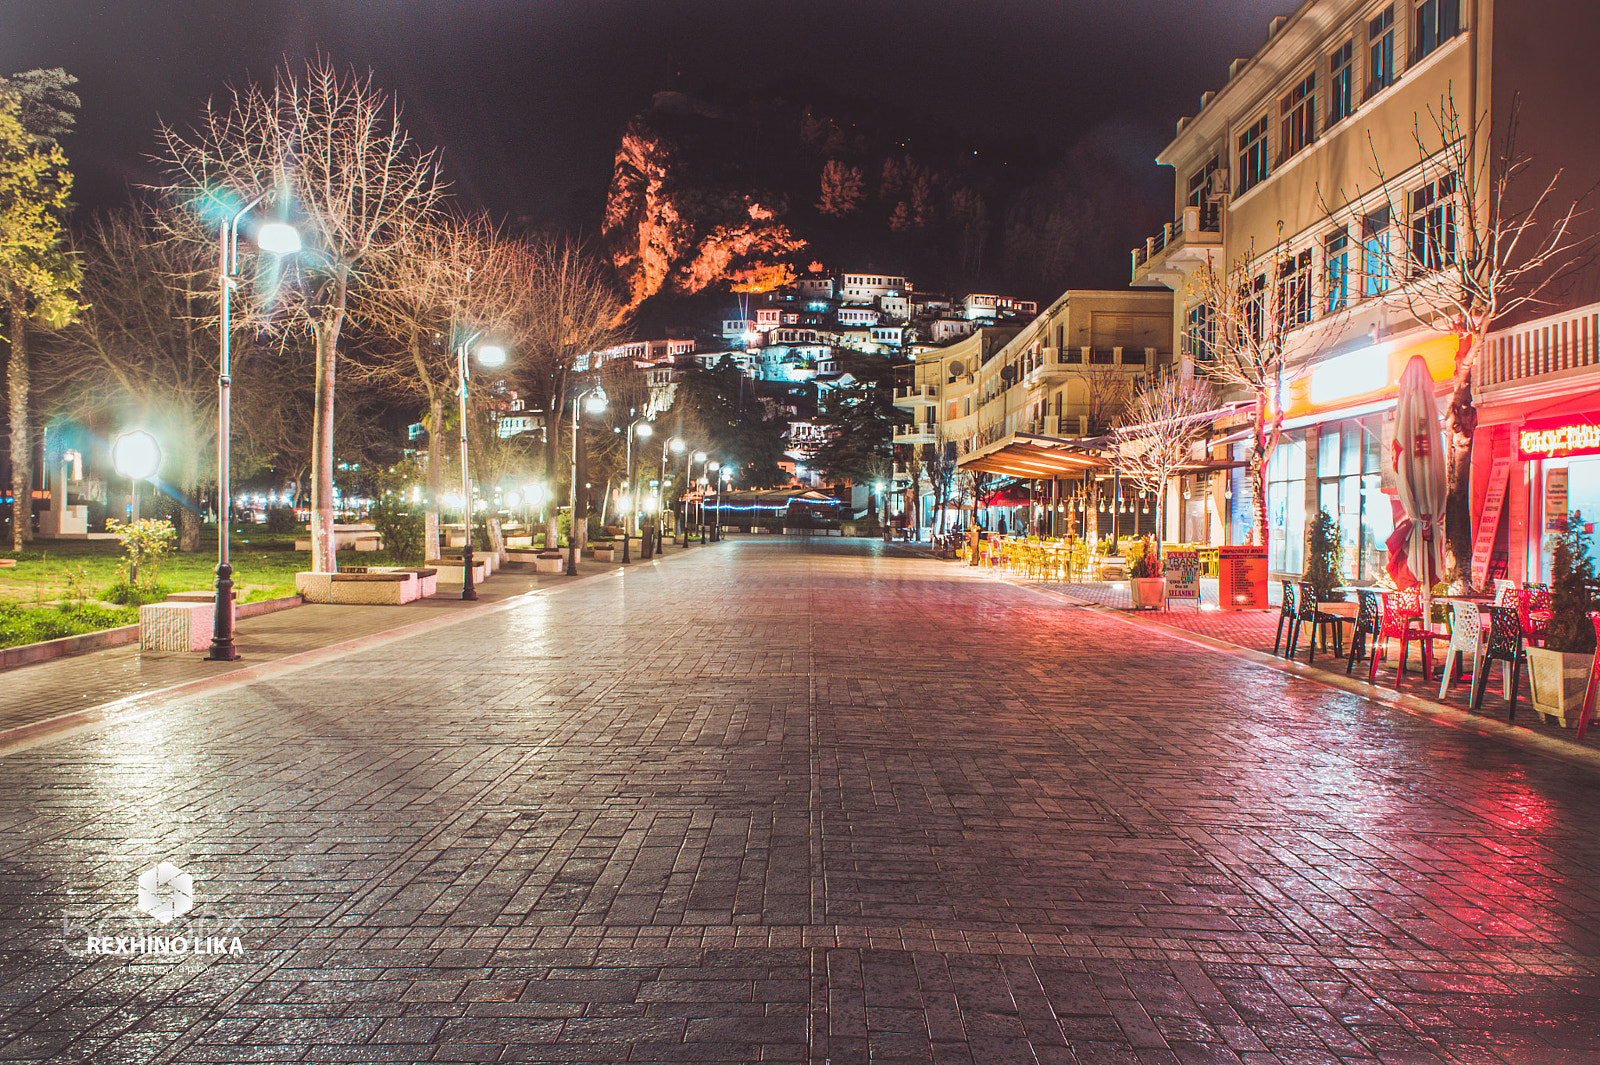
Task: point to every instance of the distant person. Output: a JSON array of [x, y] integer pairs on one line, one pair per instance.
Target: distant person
[[1002, 526]]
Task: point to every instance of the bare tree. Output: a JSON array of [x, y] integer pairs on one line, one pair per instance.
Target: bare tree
[[142, 350], [329, 144], [939, 460], [1152, 440], [456, 276], [568, 311], [1475, 249]]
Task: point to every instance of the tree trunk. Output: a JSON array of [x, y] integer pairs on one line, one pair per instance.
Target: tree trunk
[[327, 334], [21, 444], [1461, 423], [430, 517], [189, 525]]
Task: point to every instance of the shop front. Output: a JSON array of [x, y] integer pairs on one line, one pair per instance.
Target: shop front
[[1534, 464]]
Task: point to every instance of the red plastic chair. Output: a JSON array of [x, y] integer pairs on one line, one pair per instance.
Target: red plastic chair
[[1533, 610], [1402, 619], [1594, 678]]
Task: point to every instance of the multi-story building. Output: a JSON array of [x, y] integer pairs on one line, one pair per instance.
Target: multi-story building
[[1321, 171]]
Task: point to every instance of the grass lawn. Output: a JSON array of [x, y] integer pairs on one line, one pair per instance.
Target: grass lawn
[[264, 565]]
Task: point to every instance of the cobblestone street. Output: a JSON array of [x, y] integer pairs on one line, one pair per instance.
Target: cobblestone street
[[799, 800]]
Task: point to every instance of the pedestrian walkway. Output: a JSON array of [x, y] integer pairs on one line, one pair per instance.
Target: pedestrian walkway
[[789, 801], [65, 691]]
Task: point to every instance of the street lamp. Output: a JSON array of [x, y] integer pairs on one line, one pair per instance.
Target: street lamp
[[594, 401], [716, 528], [676, 446], [490, 356], [642, 429], [277, 238], [137, 456], [688, 482], [713, 467]]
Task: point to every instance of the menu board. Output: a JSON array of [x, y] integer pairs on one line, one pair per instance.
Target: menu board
[[1182, 571], [1242, 578], [1555, 500]]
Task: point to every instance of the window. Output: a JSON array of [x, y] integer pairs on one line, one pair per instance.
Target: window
[[1433, 225], [1200, 182], [1199, 334], [1294, 289], [1349, 487], [1255, 311], [1252, 156], [1437, 22], [1299, 111], [1286, 504], [1335, 271], [1377, 267], [1380, 52], [1341, 81]]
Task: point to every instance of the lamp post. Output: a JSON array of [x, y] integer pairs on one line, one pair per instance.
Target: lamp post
[[643, 429], [137, 456], [593, 400], [712, 474], [689, 460], [716, 528], [676, 446], [279, 239], [491, 356]]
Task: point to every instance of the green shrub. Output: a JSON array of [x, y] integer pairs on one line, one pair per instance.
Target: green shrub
[[1574, 591], [401, 527], [144, 544], [135, 595], [20, 625], [282, 520], [1324, 554]]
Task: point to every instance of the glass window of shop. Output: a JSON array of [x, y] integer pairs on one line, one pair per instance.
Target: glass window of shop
[[1581, 491], [1286, 504], [1348, 476]]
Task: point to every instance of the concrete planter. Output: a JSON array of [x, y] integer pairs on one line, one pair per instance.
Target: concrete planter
[[550, 563], [605, 553], [1149, 593], [1556, 683]]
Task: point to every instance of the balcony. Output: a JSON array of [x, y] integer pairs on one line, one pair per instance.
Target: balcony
[[916, 396], [1167, 257], [924, 433], [1545, 352]]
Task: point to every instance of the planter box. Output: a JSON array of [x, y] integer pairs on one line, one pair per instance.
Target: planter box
[[392, 588], [1556, 684], [547, 564], [1149, 593], [604, 553]]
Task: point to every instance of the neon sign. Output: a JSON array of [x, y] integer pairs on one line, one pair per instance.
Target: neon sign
[[1544, 441]]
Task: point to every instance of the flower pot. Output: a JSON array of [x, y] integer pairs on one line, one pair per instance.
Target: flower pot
[[1149, 593], [1556, 683]]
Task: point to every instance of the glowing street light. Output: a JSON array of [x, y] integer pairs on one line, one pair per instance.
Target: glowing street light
[[594, 401], [277, 238], [137, 456], [490, 356], [642, 429]]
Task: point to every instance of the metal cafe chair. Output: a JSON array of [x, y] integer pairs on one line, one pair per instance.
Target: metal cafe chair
[[1321, 621], [1466, 638], [1363, 640], [1286, 615], [1504, 645]]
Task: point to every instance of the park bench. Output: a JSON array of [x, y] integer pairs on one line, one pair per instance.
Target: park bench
[[359, 537], [185, 622], [381, 588], [550, 562], [449, 570]]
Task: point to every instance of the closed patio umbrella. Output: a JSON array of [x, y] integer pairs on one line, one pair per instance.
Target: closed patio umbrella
[[1416, 549]]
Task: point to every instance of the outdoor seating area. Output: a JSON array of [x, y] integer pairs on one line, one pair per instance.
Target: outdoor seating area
[[1059, 560]]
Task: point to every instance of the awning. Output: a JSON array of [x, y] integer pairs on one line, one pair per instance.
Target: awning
[[1014, 495], [1035, 457]]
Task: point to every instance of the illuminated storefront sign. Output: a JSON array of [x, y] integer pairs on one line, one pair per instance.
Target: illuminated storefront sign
[[1540, 440]]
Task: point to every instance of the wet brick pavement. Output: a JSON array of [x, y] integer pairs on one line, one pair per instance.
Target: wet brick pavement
[[796, 801]]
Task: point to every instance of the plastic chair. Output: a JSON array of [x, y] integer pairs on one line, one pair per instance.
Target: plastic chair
[[1320, 621], [1367, 615], [1286, 613], [1402, 619], [1504, 645], [1594, 677], [1534, 612], [1466, 638]]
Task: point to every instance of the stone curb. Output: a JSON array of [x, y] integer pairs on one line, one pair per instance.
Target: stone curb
[[29, 653]]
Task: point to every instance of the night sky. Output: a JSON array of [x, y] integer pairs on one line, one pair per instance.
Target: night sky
[[527, 97]]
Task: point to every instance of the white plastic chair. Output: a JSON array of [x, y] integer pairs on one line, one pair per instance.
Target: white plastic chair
[[1466, 639]]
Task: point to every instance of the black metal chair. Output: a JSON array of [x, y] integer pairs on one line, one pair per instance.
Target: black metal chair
[[1286, 613], [1504, 645], [1321, 621], [1367, 617]]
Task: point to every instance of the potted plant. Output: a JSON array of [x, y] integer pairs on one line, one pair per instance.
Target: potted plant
[[1323, 558], [1558, 672], [1144, 575]]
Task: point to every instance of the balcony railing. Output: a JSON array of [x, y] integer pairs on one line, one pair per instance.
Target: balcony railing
[[1549, 345], [1185, 229], [916, 394]]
